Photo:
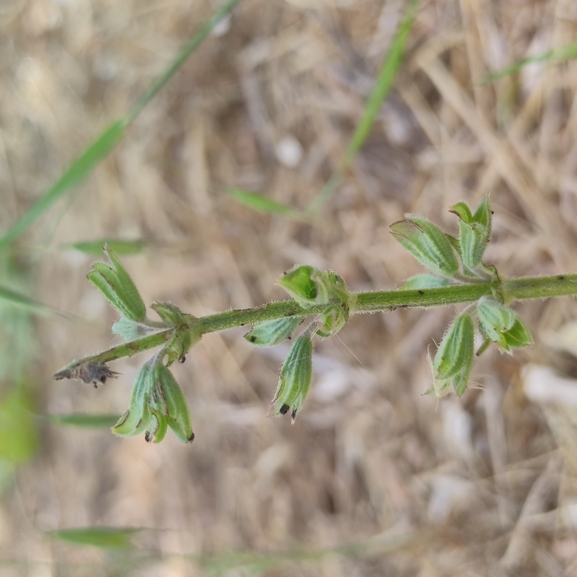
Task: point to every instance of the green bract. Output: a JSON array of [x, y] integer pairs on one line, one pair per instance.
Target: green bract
[[270, 333], [295, 378], [427, 243], [474, 231], [157, 402], [502, 325], [425, 281], [454, 357], [115, 284]]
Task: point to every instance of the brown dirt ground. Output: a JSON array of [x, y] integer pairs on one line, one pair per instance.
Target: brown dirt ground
[[483, 485]]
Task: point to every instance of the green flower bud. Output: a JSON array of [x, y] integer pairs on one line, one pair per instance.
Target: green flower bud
[[454, 358], [115, 284], [474, 231], [169, 401], [137, 418], [502, 325], [302, 284], [295, 378], [427, 243], [271, 333], [170, 314], [156, 403]]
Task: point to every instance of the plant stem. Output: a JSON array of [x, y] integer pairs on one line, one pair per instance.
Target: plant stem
[[360, 303]]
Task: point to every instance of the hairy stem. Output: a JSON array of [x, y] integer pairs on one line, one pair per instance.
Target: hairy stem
[[360, 303]]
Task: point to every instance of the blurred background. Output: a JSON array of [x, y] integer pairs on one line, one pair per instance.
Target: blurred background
[[373, 478]]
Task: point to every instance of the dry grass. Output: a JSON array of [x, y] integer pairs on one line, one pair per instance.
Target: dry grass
[[484, 485]]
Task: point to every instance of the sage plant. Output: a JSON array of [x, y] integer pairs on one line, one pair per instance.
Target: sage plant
[[319, 306]]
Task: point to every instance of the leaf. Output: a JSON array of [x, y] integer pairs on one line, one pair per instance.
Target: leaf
[[425, 281], [427, 243], [271, 333], [75, 174], [295, 378], [262, 203], [455, 353], [103, 537], [85, 420], [299, 283], [94, 247]]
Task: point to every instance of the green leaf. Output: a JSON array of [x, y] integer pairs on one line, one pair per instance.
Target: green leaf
[[462, 211], [299, 283], [172, 404], [455, 352], [130, 330], [295, 378], [262, 203], [103, 537], [502, 325], [114, 282], [94, 247], [474, 231], [75, 174], [427, 243], [483, 215], [271, 333], [425, 281], [85, 420]]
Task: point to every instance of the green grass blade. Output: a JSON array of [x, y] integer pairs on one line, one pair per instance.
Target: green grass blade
[[387, 74], [194, 43], [18, 434], [261, 203], [120, 247], [21, 300], [75, 174], [85, 420], [558, 55], [96, 151], [103, 537]]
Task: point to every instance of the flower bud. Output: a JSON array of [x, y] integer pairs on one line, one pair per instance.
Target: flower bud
[[454, 358], [115, 284], [502, 325], [295, 378]]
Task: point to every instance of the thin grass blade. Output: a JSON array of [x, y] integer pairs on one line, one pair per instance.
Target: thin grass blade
[[261, 203], [557, 55], [120, 247], [75, 174], [21, 300], [85, 420], [388, 72], [103, 537]]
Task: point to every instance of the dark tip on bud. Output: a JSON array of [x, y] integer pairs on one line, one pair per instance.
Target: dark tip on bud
[[148, 437], [284, 409], [293, 416], [191, 438], [252, 338], [181, 359]]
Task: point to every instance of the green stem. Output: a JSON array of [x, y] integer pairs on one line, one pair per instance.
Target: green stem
[[361, 303]]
